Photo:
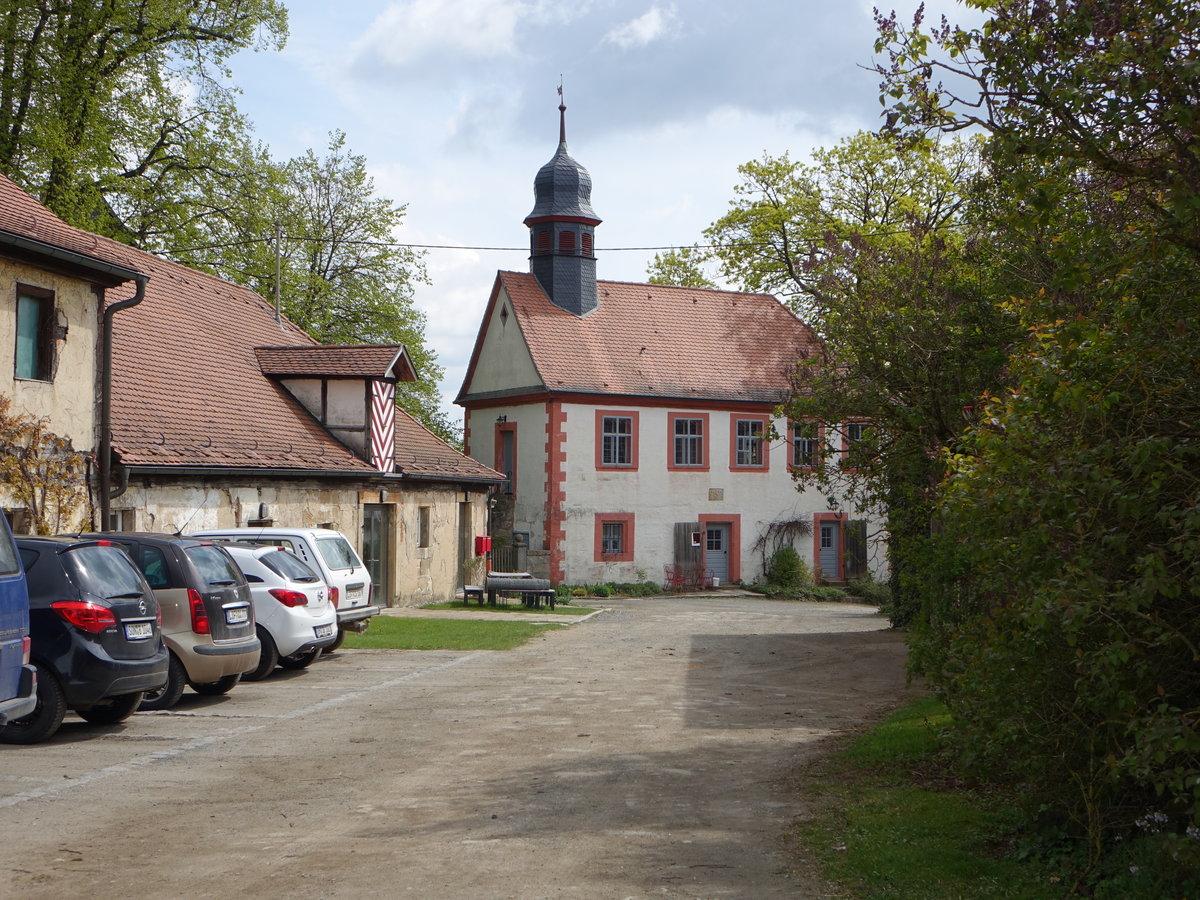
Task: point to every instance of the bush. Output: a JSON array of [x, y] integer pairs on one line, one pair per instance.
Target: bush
[[869, 591], [600, 590], [788, 570]]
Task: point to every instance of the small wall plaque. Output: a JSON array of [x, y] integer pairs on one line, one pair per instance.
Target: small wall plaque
[[716, 493]]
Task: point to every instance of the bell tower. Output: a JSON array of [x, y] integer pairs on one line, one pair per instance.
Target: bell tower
[[562, 229]]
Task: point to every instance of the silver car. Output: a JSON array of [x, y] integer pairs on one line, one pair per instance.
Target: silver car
[[295, 618]]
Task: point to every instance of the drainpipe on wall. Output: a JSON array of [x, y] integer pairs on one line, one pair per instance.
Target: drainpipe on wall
[[105, 471]]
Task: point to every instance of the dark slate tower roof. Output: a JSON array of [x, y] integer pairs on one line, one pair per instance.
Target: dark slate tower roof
[[562, 187], [562, 229]]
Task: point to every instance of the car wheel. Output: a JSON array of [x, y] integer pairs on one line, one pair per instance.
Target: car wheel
[[301, 660], [218, 687], [168, 695], [268, 658], [337, 641], [46, 716], [113, 710]]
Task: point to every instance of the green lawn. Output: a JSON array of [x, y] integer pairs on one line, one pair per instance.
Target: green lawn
[[401, 633], [514, 606], [884, 829]]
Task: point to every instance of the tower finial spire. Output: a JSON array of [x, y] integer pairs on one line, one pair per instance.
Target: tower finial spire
[[562, 113]]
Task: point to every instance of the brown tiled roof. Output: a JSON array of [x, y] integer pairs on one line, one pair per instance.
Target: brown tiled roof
[[422, 454], [650, 340], [187, 388], [344, 361], [23, 216]]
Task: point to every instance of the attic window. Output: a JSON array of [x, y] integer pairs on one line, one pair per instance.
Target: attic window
[[566, 242], [504, 315], [585, 242]]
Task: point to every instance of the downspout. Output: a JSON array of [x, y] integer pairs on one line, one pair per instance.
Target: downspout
[[105, 472]]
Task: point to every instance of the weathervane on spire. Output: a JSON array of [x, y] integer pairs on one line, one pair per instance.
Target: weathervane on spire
[[562, 113]]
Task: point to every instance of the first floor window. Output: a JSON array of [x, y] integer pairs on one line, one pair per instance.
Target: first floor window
[[749, 451], [35, 342], [617, 438], [423, 526], [612, 538]]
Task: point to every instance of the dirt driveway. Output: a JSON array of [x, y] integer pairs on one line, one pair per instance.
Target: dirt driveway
[[641, 753]]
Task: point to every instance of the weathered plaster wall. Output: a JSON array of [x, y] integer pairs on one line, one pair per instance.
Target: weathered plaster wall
[[70, 401], [419, 575], [504, 361]]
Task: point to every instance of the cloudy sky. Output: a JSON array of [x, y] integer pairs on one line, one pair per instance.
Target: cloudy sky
[[454, 105]]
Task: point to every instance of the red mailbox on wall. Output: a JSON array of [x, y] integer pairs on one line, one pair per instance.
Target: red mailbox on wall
[[483, 544]]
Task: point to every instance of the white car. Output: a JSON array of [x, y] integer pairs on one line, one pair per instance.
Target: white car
[[334, 559], [295, 617]]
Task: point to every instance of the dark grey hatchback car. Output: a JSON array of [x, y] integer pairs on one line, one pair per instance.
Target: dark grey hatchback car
[[95, 638]]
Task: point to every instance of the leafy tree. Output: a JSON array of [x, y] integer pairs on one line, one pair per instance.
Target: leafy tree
[[1062, 627], [682, 267], [41, 470], [92, 105], [872, 244]]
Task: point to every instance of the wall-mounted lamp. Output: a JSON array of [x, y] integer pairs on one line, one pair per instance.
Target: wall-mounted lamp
[[500, 420]]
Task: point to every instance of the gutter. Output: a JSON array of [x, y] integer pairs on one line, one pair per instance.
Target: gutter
[[106, 491]]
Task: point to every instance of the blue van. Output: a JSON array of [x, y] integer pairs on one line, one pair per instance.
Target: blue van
[[18, 679]]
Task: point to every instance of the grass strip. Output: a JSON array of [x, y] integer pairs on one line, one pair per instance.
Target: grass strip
[[885, 829], [400, 633], [515, 607]]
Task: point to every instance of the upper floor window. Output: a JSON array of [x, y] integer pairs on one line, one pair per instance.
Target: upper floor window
[[35, 334], [748, 448], [616, 439], [856, 443], [688, 439], [805, 445]]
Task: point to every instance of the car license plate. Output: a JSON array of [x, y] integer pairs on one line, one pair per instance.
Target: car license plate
[[238, 616], [354, 592], [137, 631], [323, 630]]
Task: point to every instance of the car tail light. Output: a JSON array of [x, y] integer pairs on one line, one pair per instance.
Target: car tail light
[[289, 598], [85, 616], [25, 645], [199, 613], [333, 596]]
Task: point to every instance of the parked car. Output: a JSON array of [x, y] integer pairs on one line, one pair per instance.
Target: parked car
[[96, 642], [296, 619], [333, 558], [18, 679], [207, 613]]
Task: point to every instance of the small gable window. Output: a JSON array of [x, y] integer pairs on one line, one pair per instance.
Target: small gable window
[[566, 242]]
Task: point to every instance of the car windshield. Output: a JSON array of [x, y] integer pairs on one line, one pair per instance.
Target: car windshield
[[215, 567], [337, 553], [283, 563], [104, 571]]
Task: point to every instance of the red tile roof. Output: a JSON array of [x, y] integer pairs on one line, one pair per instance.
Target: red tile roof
[[650, 340], [188, 391], [346, 361], [422, 454], [24, 217]]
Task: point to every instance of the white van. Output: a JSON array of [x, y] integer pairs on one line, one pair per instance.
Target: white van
[[332, 556]]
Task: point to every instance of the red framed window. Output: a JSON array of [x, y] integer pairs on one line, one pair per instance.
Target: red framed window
[[806, 445], [748, 443], [616, 439], [687, 441], [857, 439], [614, 537]]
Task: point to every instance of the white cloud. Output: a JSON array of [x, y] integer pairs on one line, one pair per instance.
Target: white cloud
[[410, 31], [650, 26]]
